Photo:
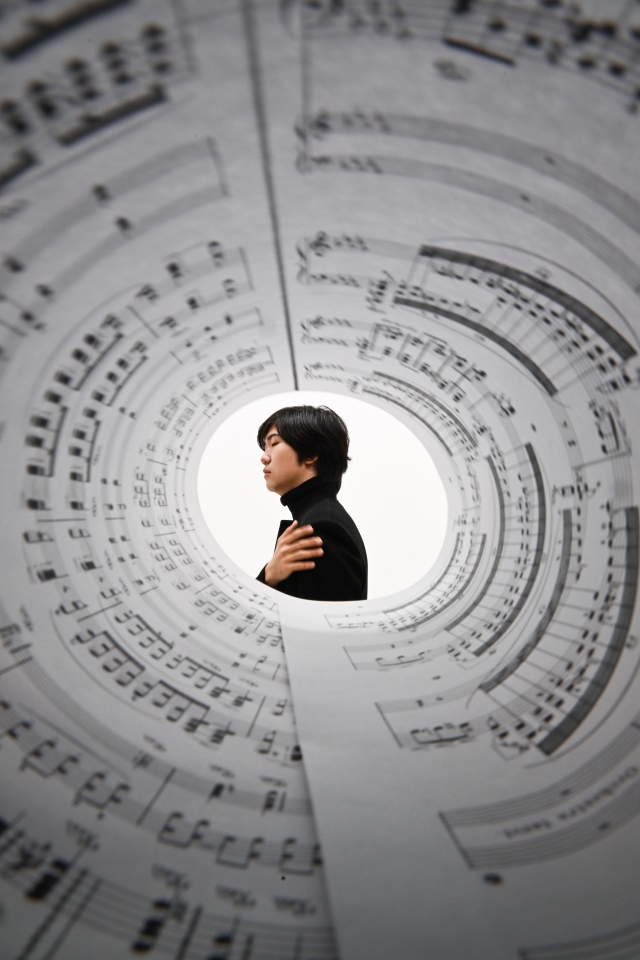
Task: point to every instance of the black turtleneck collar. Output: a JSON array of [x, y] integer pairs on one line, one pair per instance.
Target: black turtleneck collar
[[306, 494]]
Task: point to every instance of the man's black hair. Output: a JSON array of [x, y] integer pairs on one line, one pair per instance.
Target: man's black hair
[[313, 432]]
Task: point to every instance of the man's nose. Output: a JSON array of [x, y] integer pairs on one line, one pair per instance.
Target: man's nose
[[265, 458]]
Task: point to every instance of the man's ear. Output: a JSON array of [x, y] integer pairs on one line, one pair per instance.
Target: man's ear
[[311, 461]]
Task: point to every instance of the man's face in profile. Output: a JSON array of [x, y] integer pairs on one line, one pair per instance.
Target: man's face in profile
[[282, 471]]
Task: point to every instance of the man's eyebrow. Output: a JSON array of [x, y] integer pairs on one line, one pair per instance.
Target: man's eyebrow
[[274, 433]]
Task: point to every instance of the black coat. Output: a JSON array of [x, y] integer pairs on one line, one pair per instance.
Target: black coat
[[341, 572]]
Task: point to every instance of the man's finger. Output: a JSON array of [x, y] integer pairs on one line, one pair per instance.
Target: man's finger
[[291, 533], [299, 532], [303, 552], [305, 546]]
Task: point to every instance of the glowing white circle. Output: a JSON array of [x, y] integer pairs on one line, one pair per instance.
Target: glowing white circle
[[392, 489]]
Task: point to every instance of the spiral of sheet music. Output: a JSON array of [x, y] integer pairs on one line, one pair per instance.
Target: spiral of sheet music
[[431, 206]]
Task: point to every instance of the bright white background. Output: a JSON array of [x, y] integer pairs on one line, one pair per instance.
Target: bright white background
[[391, 489]]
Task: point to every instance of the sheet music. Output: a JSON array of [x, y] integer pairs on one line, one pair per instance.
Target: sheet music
[[433, 207], [153, 798], [471, 743]]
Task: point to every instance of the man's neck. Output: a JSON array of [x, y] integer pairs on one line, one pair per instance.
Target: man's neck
[[314, 489]]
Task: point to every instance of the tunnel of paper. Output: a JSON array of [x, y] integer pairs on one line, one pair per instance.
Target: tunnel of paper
[[432, 207]]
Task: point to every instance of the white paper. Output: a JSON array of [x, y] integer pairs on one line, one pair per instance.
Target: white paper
[[432, 207], [153, 796], [471, 744]]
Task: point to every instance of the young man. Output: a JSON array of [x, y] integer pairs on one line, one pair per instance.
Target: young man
[[320, 554]]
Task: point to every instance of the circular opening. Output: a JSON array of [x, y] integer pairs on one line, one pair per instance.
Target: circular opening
[[392, 489]]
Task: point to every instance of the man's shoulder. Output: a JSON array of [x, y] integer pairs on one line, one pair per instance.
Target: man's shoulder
[[330, 516], [329, 510]]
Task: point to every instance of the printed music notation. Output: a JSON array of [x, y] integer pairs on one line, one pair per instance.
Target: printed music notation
[[71, 895], [163, 742], [601, 45], [429, 206], [607, 945], [527, 714], [132, 56], [504, 337]]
